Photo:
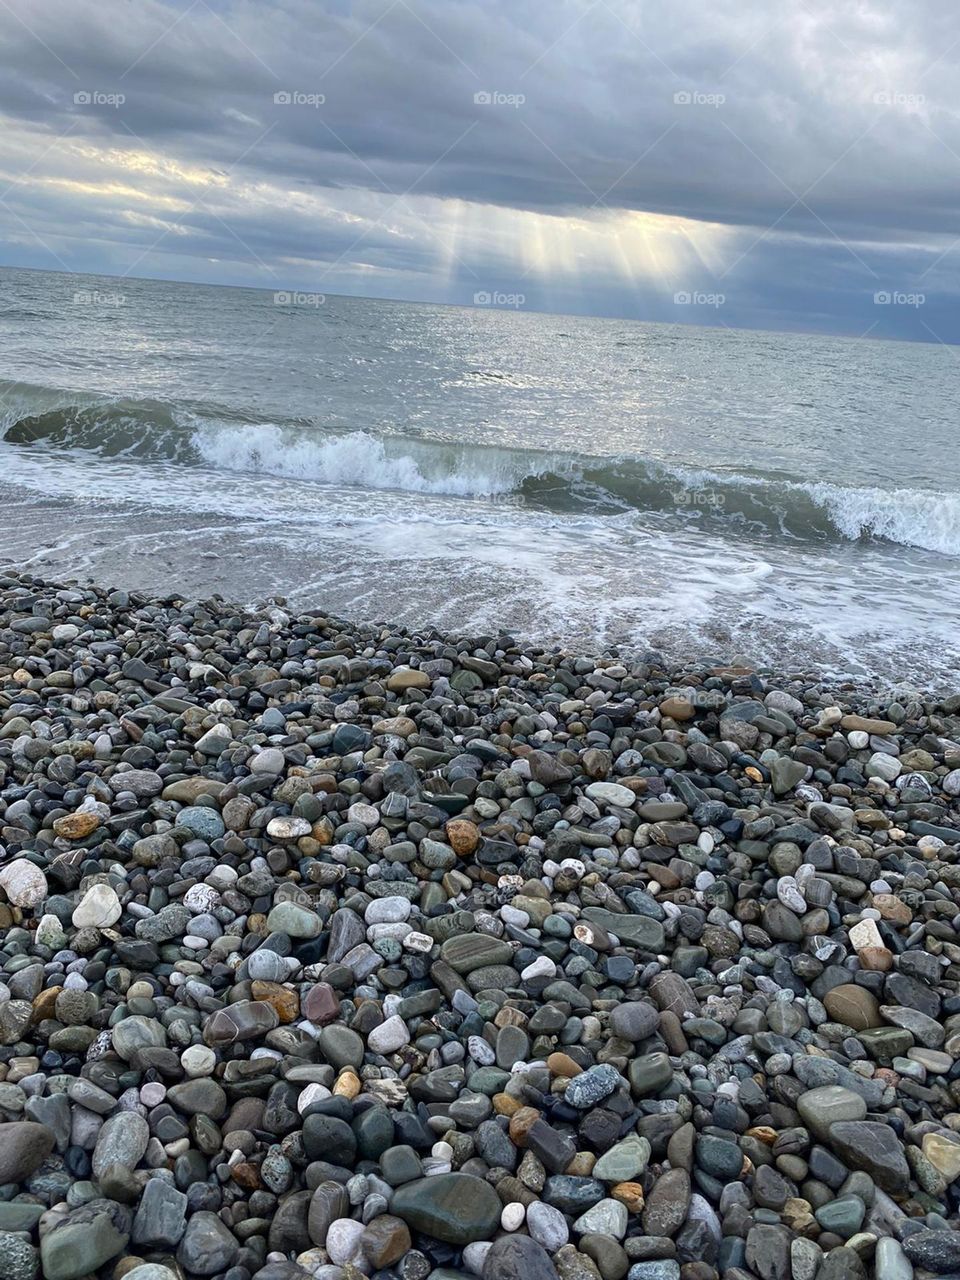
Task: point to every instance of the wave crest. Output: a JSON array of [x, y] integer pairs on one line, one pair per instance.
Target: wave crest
[[564, 483]]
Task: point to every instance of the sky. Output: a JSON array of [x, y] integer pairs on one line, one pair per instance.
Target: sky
[[777, 164]]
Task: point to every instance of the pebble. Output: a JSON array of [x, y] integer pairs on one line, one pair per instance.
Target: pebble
[[376, 952]]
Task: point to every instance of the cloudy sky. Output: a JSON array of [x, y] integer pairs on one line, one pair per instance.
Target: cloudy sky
[[785, 164]]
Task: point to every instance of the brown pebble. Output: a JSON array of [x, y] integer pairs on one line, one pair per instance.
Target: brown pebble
[[76, 826], [520, 1122], [630, 1194], [561, 1064], [282, 999], [464, 836], [877, 959]]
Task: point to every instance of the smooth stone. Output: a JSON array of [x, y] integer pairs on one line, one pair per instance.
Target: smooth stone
[[853, 1006], [452, 1207], [637, 931], [821, 1108], [24, 1145], [875, 1149], [208, 1247], [122, 1140], [634, 1020], [518, 1257], [99, 908]]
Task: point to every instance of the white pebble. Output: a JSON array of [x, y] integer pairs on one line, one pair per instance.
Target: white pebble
[[513, 1215], [343, 1240], [312, 1093], [420, 942], [198, 1061], [865, 934], [542, 967]]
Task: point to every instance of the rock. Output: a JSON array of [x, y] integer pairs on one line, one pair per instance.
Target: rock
[[333, 947], [854, 1006], [518, 1258], [84, 1240], [547, 1226], [874, 1148], [943, 1152], [121, 1141], [385, 1241], [768, 1251], [936, 1251], [99, 908], [160, 1219], [667, 1204], [24, 1146], [24, 883], [208, 1248], [389, 1036], [634, 1020], [821, 1108], [452, 1207]]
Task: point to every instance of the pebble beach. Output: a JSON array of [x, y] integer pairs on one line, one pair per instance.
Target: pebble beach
[[344, 950]]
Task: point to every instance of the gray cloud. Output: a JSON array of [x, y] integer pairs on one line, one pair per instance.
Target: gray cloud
[[797, 157]]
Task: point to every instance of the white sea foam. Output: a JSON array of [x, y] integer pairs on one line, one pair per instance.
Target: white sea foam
[[358, 459]]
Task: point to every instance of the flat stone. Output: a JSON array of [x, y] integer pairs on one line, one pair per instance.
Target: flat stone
[[547, 1226], [768, 1251], [943, 1152], [99, 908], [389, 1036], [83, 1241], [160, 1219], [452, 1207], [24, 1145], [294, 920], [667, 1203], [328, 1203], [853, 1006], [385, 1240], [635, 931], [624, 1161], [472, 951], [607, 1217], [518, 1257], [122, 1140], [208, 1247], [875, 1149], [611, 793], [821, 1108]]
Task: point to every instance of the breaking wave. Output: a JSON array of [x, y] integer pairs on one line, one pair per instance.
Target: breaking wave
[[208, 436]]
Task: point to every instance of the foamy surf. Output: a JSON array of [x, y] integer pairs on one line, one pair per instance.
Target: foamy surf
[[562, 482]]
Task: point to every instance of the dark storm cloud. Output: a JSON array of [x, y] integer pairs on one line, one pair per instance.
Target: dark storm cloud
[[823, 137]]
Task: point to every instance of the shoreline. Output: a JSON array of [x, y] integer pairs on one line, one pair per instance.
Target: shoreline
[[334, 950]]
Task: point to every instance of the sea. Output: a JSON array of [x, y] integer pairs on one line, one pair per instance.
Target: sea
[[787, 500]]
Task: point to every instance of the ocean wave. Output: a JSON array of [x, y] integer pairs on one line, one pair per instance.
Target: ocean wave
[[563, 483]]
